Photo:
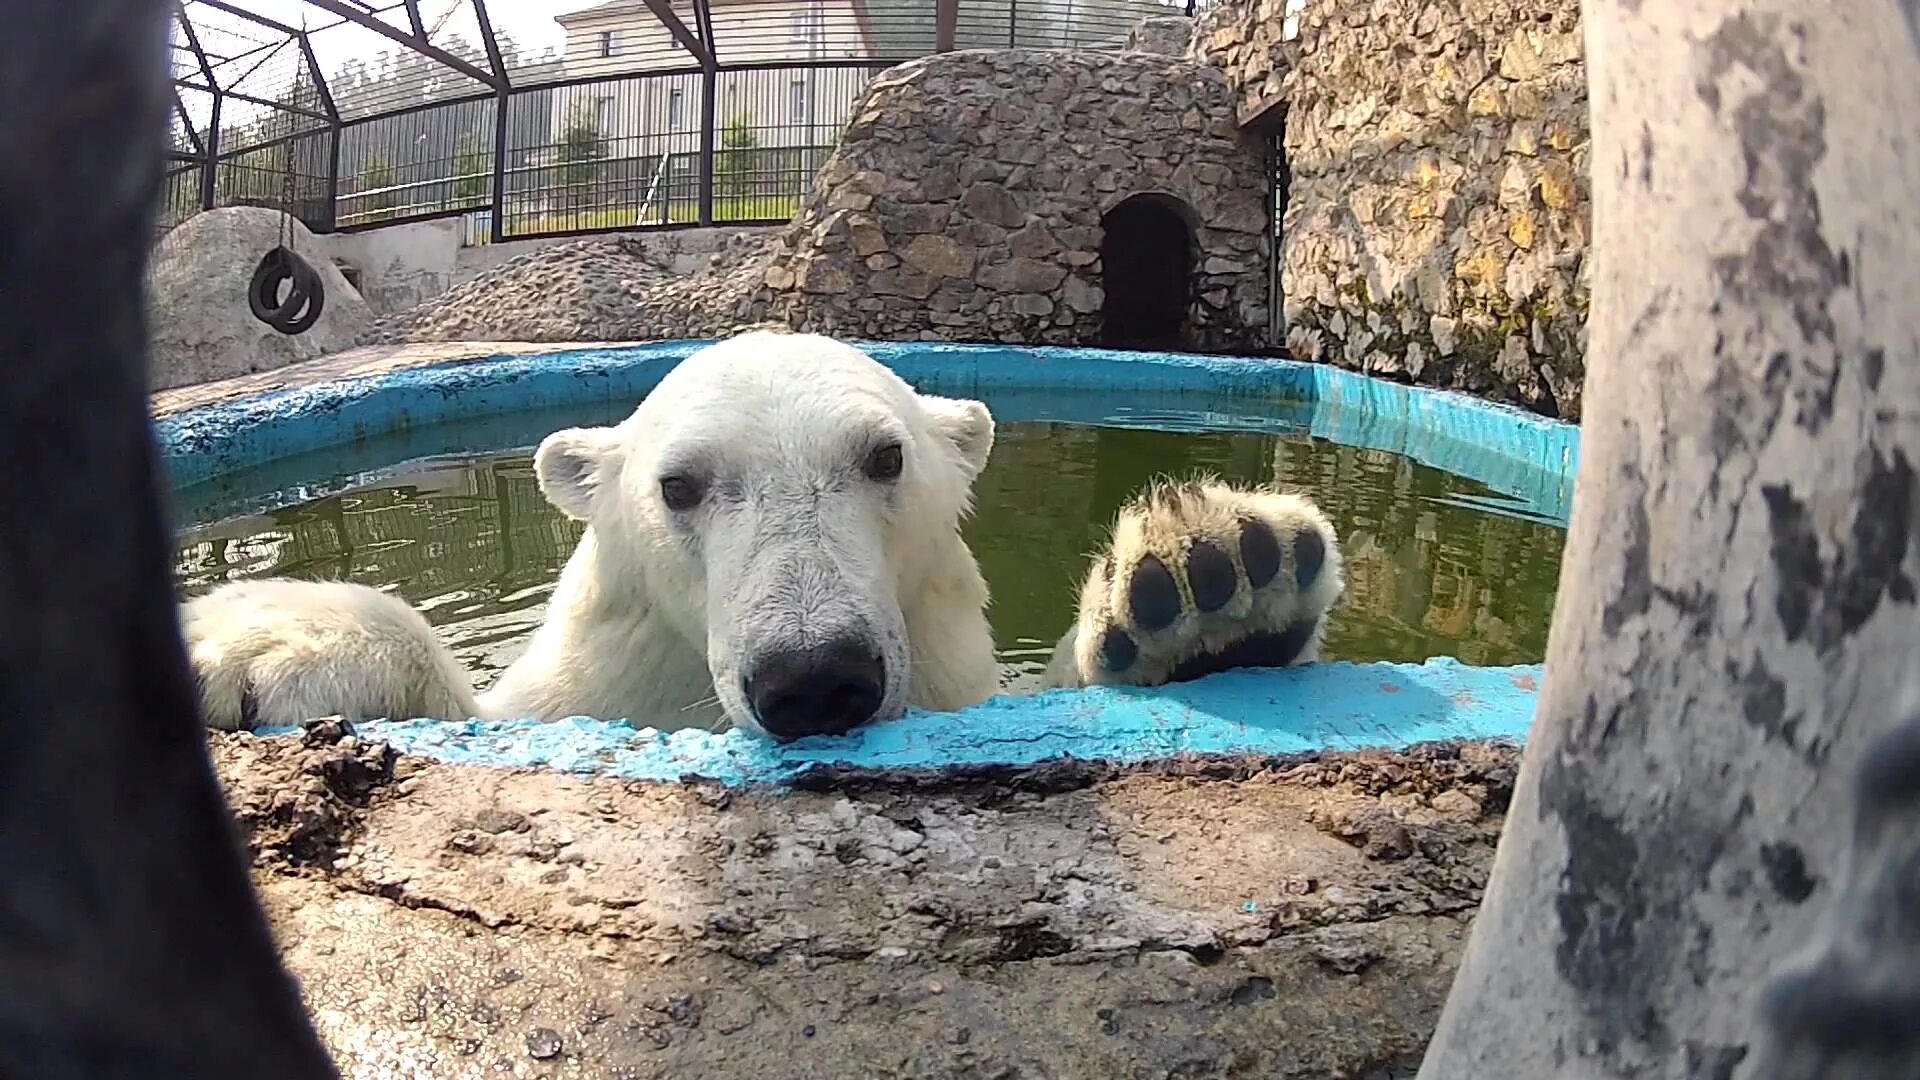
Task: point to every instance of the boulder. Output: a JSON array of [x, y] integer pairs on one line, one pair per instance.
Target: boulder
[[199, 324]]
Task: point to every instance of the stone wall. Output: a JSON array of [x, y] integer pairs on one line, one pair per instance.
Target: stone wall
[[1250, 40], [1168, 35], [680, 251], [963, 203], [1437, 221], [965, 200]]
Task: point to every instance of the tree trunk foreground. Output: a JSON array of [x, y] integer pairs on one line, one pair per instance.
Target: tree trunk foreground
[[131, 943], [1736, 617]]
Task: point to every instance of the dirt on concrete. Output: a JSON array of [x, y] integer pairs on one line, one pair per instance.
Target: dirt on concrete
[[1285, 918]]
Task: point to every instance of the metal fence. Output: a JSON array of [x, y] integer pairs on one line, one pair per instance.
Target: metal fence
[[718, 112]]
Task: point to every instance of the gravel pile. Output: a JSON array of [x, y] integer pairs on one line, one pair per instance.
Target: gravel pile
[[603, 289]]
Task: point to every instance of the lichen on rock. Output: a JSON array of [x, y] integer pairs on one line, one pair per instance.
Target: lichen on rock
[[1437, 218]]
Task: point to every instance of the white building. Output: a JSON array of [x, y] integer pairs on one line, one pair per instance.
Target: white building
[[784, 100]]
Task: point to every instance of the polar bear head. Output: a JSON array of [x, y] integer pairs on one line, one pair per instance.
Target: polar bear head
[[780, 499]]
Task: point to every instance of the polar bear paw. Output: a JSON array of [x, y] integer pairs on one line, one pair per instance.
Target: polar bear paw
[[1202, 577]]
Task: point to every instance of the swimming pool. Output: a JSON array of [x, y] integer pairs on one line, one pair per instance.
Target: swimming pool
[[1449, 509]]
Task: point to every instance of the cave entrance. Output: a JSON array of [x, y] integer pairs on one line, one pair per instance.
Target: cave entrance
[[1146, 259]]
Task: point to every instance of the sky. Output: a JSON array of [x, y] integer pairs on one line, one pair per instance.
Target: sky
[[266, 73], [530, 22]]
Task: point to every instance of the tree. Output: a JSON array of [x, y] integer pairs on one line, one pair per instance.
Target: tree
[[378, 179], [734, 170], [1737, 621], [581, 147], [472, 170], [253, 176], [903, 28]]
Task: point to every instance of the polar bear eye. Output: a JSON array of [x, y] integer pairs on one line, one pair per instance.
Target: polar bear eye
[[885, 462], [679, 493]]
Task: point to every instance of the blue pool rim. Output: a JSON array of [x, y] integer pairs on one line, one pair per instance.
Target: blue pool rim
[[1331, 706]]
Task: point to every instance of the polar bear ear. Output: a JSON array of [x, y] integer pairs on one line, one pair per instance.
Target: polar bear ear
[[570, 465], [966, 424]]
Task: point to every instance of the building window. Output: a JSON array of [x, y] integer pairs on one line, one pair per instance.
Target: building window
[[802, 26], [603, 112], [610, 44], [676, 110], [798, 101]]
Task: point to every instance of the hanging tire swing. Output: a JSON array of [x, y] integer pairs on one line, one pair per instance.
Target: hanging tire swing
[[306, 296]]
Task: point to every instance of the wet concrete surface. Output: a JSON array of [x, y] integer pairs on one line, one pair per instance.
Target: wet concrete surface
[[1278, 917]]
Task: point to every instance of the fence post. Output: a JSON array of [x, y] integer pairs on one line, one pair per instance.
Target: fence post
[[946, 24], [333, 176], [210, 165], [709, 79], [497, 228]]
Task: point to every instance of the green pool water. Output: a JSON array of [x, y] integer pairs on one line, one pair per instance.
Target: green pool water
[[1437, 564]]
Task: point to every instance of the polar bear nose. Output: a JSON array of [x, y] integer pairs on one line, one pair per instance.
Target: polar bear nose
[[825, 689]]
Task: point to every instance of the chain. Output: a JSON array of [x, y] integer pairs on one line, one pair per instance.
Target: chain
[[286, 190]]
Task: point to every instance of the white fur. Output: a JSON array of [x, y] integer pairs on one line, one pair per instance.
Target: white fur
[[657, 614], [660, 613], [307, 649]]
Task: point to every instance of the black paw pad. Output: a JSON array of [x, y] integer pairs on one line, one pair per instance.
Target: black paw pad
[[1309, 554], [1117, 649], [1152, 596], [1267, 648], [1260, 552], [1211, 574]]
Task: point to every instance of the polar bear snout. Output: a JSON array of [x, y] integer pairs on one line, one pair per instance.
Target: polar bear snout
[[824, 689]]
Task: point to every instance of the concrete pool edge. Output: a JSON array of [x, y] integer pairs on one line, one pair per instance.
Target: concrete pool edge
[[1256, 713], [1512, 451], [1330, 706]]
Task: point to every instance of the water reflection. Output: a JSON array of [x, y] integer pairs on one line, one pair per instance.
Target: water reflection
[[1437, 564]]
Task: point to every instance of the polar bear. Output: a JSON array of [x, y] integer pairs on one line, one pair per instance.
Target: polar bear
[[773, 537]]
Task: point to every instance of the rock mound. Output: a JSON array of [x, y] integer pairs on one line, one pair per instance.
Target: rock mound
[[967, 200], [602, 289], [200, 326]]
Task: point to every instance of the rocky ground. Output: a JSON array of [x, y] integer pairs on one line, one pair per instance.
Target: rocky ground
[[1296, 917], [607, 289]]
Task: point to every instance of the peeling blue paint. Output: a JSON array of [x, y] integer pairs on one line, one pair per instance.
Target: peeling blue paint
[[1324, 706], [1334, 706]]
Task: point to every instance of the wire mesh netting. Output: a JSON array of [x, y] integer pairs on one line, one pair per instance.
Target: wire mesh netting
[[537, 117]]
